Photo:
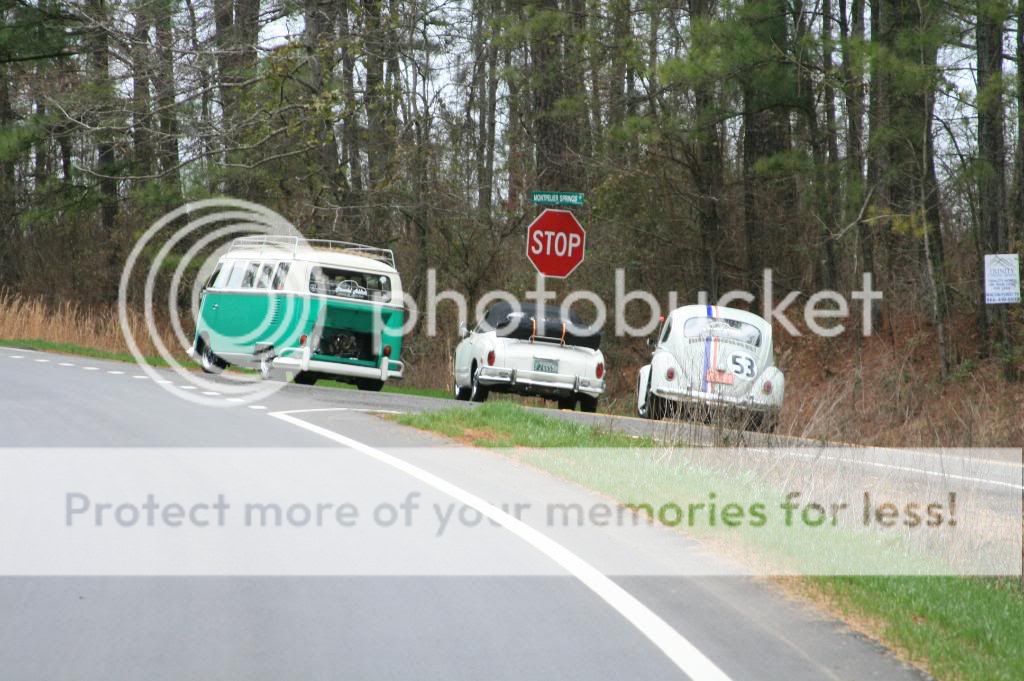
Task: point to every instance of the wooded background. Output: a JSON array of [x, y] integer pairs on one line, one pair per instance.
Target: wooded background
[[712, 138]]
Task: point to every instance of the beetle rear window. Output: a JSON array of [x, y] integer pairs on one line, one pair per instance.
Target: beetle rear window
[[350, 284], [699, 327]]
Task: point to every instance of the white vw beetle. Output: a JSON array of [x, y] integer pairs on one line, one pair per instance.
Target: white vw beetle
[[712, 357], [519, 349]]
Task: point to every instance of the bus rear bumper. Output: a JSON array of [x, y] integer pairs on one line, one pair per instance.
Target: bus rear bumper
[[389, 369]]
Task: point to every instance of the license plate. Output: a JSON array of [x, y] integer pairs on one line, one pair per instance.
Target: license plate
[[548, 366], [723, 377]]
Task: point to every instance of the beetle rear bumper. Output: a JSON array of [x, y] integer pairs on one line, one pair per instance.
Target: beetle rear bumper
[[696, 397]]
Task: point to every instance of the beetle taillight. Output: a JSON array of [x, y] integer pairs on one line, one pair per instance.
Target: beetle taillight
[[767, 388], [600, 369], [490, 358], [670, 374]]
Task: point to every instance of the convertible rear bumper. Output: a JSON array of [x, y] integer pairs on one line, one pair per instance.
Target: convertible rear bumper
[[539, 381]]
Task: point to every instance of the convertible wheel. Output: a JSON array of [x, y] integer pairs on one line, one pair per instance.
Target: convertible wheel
[[461, 394], [306, 378], [209, 361], [567, 403], [588, 404], [477, 392]]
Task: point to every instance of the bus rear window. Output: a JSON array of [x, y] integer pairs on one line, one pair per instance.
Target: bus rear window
[[350, 284], [699, 327]]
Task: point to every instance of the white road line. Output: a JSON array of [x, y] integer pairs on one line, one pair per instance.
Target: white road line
[[16, 356], [43, 361], [909, 469], [683, 653], [66, 364], [140, 377], [211, 393], [116, 373], [187, 387], [91, 368], [355, 409], [257, 406], [235, 399], [163, 380]]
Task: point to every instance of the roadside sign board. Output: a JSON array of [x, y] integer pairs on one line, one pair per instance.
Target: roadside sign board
[[1002, 278], [557, 198], [555, 243]]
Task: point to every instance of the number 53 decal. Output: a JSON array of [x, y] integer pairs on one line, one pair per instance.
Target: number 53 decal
[[743, 365]]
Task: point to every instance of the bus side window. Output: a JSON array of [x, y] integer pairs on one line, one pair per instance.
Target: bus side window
[[250, 275], [237, 270], [264, 280], [280, 276], [220, 276]]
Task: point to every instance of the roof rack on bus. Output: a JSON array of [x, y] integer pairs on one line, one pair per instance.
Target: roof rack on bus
[[293, 244]]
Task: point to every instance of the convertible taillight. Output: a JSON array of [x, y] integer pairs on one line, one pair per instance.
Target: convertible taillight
[[490, 358], [600, 369], [767, 388], [670, 374]]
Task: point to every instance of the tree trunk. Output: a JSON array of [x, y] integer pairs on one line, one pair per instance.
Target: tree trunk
[[163, 84], [142, 148], [768, 95], [992, 157]]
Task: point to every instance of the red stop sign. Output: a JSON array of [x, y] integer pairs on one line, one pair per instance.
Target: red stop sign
[[555, 243]]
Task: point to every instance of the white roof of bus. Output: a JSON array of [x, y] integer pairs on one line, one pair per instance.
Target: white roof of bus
[[317, 256]]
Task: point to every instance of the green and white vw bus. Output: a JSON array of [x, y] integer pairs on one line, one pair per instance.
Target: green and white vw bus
[[308, 307]]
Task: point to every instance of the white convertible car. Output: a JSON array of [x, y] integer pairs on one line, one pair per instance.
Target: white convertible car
[[709, 358], [518, 350]]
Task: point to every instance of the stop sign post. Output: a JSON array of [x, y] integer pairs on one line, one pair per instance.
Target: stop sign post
[[555, 243]]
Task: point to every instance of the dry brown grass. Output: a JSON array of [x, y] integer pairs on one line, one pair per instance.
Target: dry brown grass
[[886, 390], [24, 318]]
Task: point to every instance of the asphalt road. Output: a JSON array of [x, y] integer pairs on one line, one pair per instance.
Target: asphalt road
[[545, 617]]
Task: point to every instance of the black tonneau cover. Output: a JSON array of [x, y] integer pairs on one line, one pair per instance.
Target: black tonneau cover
[[520, 323]]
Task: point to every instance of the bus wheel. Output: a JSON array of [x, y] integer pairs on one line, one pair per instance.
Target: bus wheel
[[373, 385], [306, 378], [209, 361]]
